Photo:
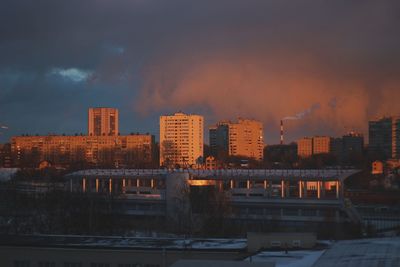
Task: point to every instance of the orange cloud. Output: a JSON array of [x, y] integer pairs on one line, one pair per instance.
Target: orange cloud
[[268, 87]]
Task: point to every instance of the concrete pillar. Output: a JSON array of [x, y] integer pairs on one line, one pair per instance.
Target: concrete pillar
[[282, 188], [318, 189], [83, 185], [248, 184], [265, 188], [97, 185], [232, 184], [123, 186], [337, 190], [110, 185], [137, 183], [152, 183], [300, 189]]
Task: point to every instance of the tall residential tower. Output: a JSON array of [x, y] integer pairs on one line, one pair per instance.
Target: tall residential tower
[[181, 139], [384, 137]]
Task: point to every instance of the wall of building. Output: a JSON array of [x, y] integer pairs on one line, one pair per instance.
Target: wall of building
[[381, 139], [181, 139], [125, 150], [241, 138], [103, 121], [305, 147]]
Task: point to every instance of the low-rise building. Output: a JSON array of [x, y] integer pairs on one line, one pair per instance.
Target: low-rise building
[[305, 147], [116, 151], [309, 146]]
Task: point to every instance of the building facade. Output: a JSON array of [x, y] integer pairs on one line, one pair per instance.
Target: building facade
[[116, 151], [219, 139], [321, 144], [311, 198], [348, 147], [309, 146], [181, 139], [384, 137], [305, 147], [5, 156], [103, 121], [241, 138]]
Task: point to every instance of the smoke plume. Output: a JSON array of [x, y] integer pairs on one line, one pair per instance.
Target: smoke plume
[[302, 114]]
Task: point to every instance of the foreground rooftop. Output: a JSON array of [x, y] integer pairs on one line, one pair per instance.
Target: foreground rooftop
[[114, 242]]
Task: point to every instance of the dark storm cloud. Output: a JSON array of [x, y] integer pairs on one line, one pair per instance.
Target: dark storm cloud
[[262, 59]]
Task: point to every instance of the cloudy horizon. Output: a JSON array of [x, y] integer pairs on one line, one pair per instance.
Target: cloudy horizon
[[335, 62]]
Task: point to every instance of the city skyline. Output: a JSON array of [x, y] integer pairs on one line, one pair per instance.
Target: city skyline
[[335, 63], [86, 131], [127, 131]]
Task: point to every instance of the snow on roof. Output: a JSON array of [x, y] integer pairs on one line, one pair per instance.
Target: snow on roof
[[362, 252], [125, 242], [292, 258]]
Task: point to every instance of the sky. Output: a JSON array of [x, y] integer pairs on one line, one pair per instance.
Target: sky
[[336, 63]]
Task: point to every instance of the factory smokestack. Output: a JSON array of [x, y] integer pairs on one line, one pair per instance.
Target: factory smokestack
[[281, 132]]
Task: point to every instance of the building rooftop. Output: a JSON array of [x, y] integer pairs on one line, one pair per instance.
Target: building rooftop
[[334, 174], [112, 242], [362, 252]]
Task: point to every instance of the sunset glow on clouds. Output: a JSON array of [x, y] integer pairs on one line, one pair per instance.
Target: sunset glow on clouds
[[259, 59]]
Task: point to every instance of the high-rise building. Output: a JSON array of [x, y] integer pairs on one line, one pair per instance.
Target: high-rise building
[[181, 139], [384, 137], [103, 121], [241, 138], [348, 147], [353, 143], [219, 139]]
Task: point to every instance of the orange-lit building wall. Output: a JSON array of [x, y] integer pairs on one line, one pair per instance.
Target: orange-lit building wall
[[305, 147], [103, 121], [63, 150], [321, 144], [181, 139]]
